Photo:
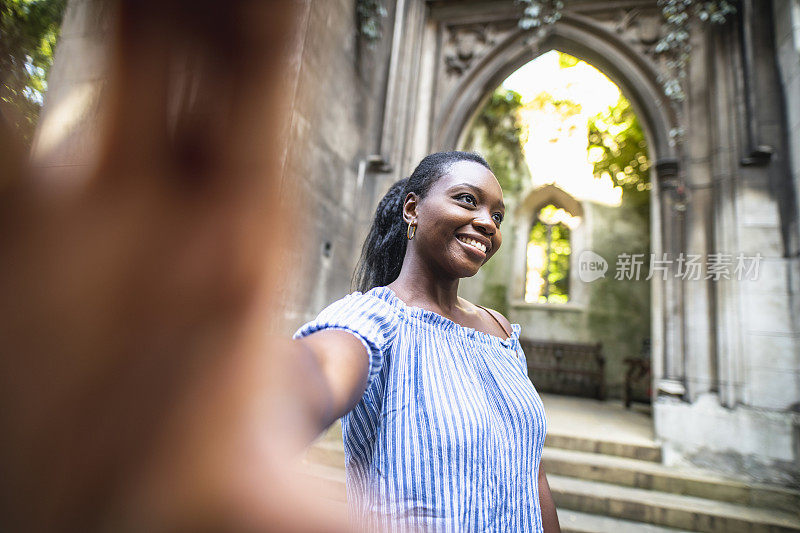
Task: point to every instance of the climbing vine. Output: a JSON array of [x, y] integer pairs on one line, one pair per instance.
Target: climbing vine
[[498, 134], [370, 14], [539, 13], [674, 45]]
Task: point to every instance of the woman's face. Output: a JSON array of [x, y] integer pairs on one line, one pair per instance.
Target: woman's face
[[458, 221]]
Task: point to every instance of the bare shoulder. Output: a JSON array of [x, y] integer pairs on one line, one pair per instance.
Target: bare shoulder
[[500, 318], [496, 315]]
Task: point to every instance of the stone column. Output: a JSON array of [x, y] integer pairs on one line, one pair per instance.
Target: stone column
[[670, 370], [700, 360], [726, 292]]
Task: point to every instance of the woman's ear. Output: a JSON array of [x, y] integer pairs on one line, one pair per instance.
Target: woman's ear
[[410, 207]]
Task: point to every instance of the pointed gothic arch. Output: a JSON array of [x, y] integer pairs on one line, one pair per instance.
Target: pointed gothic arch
[[448, 55], [578, 36]]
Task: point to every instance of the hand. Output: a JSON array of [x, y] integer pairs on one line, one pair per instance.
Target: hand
[[138, 388]]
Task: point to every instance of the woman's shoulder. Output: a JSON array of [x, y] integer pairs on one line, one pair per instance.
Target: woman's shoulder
[[368, 314], [372, 302], [495, 316]]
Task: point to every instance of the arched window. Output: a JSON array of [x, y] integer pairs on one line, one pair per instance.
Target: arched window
[[548, 255]]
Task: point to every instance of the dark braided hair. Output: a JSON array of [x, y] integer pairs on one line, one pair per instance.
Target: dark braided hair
[[385, 246]]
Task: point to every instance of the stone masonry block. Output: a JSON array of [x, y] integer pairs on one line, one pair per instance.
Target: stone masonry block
[[768, 312], [772, 276], [85, 17], [772, 351], [765, 240], [81, 58], [772, 389], [757, 206]]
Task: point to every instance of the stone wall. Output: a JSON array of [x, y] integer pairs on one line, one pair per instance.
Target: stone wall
[[613, 312], [67, 137], [335, 125]]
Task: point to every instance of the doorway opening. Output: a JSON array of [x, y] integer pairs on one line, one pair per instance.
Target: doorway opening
[[573, 161]]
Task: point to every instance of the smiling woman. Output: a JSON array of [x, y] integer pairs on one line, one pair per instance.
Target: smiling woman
[[442, 428]]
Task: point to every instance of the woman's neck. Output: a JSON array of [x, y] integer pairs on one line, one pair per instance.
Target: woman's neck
[[420, 286]]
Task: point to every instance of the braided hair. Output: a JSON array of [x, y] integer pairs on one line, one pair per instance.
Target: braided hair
[[385, 246]]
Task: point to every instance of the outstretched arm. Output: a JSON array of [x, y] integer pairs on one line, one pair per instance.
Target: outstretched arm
[[340, 364], [547, 505]]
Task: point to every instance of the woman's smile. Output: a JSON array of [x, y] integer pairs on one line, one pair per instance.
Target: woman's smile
[[475, 244], [464, 205]]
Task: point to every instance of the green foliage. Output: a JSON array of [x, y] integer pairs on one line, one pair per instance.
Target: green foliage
[[564, 108], [539, 13], [29, 30], [566, 60], [619, 149], [555, 240], [370, 15], [675, 42], [497, 133]]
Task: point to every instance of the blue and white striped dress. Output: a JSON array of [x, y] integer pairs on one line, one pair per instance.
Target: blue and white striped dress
[[449, 433]]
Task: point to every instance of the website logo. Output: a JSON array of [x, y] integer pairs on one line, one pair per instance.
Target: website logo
[[591, 266]]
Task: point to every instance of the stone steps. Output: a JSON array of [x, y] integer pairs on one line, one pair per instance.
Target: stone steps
[[643, 451], [654, 476], [328, 449], [575, 522], [665, 509], [625, 489]]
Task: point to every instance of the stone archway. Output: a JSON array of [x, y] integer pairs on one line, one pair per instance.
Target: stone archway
[[714, 192], [479, 46], [498, 53]]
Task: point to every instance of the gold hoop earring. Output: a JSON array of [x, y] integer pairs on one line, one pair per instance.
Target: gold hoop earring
[[412, 230]]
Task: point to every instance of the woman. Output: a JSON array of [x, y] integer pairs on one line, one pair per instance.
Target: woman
[[442, 428]]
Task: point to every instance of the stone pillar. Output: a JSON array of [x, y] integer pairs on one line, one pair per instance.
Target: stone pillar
[[749, 426], [669, 372], [698, 314], [724, 160], [767, 223]]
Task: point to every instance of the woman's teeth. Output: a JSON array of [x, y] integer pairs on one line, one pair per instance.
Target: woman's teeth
[[472, 242]]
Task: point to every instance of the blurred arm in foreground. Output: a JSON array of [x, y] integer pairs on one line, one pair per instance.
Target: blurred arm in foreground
[[139, 391]]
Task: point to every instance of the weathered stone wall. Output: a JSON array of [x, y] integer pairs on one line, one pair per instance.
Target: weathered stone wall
[[787, 44], [618, 311], [67, 137], [613, 312], [336, 123]]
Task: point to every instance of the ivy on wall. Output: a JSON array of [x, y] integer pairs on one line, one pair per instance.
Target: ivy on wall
[[370, 14], [675, 45], [539, 13], [498, 134], [678, 16]]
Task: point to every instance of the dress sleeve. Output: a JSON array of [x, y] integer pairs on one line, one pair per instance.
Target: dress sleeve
[[373, 321]]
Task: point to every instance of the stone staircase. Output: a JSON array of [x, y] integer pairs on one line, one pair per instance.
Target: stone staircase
[[605, 486]]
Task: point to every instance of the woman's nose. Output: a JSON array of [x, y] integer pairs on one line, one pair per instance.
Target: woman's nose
[[484, 224]]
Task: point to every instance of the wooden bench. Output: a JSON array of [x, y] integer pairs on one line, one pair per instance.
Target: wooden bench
[[574, 369]]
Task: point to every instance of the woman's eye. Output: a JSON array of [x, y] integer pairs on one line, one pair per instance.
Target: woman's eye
[[498, 218], [468, 198]]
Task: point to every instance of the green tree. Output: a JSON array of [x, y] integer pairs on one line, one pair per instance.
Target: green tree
[[498, 134], [619, 150], [554, 239], [29, 30]]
